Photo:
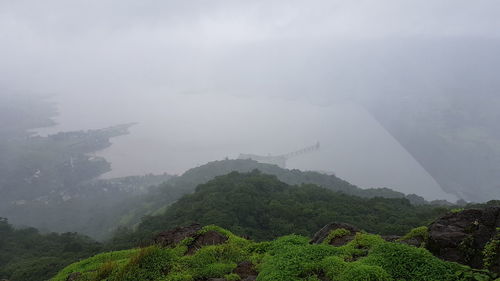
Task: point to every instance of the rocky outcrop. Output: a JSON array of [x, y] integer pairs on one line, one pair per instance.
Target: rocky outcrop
[[461, 237], [246, 270], [340, 240], [172, 237], [176, 235], [205, 239], [391, 238]]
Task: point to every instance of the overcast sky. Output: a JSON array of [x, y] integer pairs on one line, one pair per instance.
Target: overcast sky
[[110, 45], [110, 61]]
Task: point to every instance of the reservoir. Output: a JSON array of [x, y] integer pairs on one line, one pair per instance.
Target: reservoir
[[175, 132]]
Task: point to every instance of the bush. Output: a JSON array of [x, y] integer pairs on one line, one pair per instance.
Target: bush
[[289, 258]]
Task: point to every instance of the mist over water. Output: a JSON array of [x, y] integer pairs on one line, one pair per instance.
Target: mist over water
[[209, 80], [183, 131]]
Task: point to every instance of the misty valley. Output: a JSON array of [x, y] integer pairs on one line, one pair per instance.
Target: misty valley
[[57, 210], [263, 140]]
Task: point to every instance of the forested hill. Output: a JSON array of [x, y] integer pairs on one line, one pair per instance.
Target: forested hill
[[27, 255], [49, 182], [262, 207], [160, 197], [204, 173], [188, 181]]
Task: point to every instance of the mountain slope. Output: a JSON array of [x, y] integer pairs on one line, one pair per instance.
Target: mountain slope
[[27, 255], [263, 207], [160, 197]]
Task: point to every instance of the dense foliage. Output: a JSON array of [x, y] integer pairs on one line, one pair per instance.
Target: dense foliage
[[27, 255], [49, 182], [263, 207], [158, 198], [288, 258], [209, 171]]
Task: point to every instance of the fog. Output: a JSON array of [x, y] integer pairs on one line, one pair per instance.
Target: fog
[[206, 80]]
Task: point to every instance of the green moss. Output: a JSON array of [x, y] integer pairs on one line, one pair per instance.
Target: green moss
[[457, 210], [336, 233], [179, 277], [333, 266], [404, 262], [288, 258], [417, 233], [232, 277], [491, 251], [468, 249], [95, 263], [105, 270], [148, 264], [362, 272]]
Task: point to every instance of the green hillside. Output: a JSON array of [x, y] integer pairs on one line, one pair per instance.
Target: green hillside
[[27, 255], [204, 173], [262, 207], [158, 198], [288, 258]]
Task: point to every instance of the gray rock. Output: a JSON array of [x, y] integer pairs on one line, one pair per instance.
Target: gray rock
[[176, 235], [461, 237], [323, 233], [206, 239]]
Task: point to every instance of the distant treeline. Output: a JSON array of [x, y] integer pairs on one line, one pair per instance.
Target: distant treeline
[[27, 255], [262, 207]]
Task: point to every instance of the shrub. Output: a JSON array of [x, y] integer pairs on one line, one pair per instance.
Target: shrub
[[417, 233], [362, 272], [491, 251], [336, 233], [289, 258]]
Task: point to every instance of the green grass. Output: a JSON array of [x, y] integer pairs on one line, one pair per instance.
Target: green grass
[[96, 262], [491, 250], [337, 233], [288, 258], [421, 233]]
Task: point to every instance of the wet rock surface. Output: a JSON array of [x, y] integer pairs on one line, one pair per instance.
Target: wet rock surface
[[323, 233], [415, 241], [205, 239], [176, 235], [249, 278], [461, 237], [246, 270], [391, 238]]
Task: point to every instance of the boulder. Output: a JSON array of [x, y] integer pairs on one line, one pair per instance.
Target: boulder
[[246, 270], [172, 237], [323, 233], [461, 237], [176, 235], [414, 241], [205, 239], [391, 238]]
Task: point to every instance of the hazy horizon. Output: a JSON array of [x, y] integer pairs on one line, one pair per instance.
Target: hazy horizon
[[375, 82]]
